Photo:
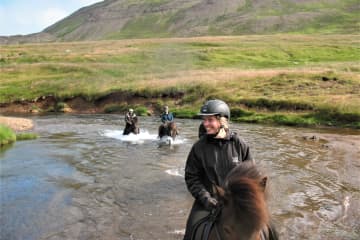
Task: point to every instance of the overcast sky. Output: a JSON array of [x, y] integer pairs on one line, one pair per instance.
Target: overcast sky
[[31, 16]]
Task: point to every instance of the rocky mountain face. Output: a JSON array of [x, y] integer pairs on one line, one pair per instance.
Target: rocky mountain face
[[119, 19]]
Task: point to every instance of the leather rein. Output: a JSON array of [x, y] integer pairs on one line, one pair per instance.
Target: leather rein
[[209, 222]]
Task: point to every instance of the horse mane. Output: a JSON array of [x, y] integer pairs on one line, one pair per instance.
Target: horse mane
[[243, 187]]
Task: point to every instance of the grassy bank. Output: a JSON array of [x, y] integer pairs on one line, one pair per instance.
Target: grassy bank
[[8, 136], [285, 79]]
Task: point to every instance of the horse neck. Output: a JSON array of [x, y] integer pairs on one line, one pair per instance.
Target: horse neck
[[217, 233]]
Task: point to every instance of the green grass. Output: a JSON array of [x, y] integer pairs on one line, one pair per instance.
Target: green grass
[[26, 136], [7, 136], [284, 78], [146, 26]]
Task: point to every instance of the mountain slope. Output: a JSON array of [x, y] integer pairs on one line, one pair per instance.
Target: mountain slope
[[118, 19]]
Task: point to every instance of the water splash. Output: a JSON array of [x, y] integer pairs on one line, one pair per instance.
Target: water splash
[[175, 172], [166, 140], [136, 138], [178, 232], [144, 135], [346, 204]]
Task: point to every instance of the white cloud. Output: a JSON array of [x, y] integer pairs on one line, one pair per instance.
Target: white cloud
[[51, 15]]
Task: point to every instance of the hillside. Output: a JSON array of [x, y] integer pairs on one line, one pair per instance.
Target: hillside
[[119, 19]]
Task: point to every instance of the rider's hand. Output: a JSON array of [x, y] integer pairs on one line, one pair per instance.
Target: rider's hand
[[208, 201]]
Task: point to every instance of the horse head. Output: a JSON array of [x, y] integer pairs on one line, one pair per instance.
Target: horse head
[[134, 120], [172, 130], [244, 213], [168, 129]]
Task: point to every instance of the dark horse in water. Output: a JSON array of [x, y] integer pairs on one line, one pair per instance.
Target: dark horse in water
[[242, 212], [168, 129], [132, 128]]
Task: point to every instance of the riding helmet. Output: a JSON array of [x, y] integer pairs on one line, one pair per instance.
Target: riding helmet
[[215, 107]]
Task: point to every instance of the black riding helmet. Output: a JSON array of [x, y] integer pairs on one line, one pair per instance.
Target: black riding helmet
[[215, 107]]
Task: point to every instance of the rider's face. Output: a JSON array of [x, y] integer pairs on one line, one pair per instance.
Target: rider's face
[[211, 124]]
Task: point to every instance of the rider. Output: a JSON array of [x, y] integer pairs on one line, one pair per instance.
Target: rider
[[129, 117], [211, 159], [166, 116]]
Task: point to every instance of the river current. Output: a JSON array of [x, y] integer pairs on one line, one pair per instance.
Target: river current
[[82, 179]]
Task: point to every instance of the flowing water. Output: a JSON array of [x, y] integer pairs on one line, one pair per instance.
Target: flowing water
[[82, 179]]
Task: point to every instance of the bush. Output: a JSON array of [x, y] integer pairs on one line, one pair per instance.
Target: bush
[[185, 113], [115, 108], [141, 111]]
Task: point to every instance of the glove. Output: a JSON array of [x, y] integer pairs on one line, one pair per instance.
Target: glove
[[208, 201]]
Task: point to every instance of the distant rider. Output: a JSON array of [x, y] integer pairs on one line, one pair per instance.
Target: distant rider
[[166, 116], [129, 120]]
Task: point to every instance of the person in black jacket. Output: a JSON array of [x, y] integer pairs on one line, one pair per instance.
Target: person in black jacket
[[211, 158]]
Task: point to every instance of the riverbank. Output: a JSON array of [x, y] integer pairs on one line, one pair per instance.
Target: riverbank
[[12, 129], [301, 80], [261, 111]]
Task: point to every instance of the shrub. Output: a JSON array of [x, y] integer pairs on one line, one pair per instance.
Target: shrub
[[185, 113], [141, 111]]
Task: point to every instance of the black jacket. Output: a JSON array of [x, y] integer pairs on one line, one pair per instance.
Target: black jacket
[[211, 159]]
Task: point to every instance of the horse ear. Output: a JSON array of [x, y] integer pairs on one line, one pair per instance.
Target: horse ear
[[263, 182]]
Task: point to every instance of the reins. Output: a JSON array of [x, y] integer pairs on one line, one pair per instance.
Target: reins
[[211, 222], [208, 221]]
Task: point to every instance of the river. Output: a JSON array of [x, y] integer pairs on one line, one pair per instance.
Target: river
[[81, 179]]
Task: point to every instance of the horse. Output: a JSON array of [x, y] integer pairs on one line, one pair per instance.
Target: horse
[[132, 128], [241, 212], [168, 129]]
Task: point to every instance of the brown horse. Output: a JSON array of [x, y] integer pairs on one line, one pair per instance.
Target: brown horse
[[168, 129], [242, 212], [132, 128]]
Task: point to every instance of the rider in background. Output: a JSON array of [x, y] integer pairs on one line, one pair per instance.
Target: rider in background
[[166, 116], [202, 130], [129, 117], [211, 158]]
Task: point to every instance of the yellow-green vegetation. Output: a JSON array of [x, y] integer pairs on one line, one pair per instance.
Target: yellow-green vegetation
[[116, 108], [7, 136], [287, 79], [26, 136]]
